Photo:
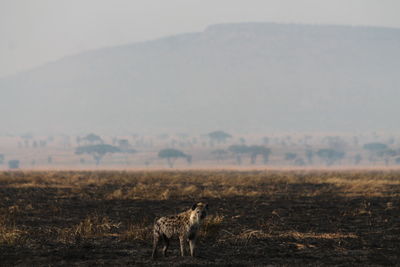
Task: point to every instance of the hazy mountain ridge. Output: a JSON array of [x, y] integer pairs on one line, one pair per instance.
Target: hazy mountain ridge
[[248, 76]]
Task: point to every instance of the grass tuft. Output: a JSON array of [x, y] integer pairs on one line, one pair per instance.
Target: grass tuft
[[138, 231], [92, 226], [211, 227], [9, 233]]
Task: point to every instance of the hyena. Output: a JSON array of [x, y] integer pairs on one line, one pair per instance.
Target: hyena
[[185, 225]]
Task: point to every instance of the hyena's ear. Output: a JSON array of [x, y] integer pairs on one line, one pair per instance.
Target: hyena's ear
[[206, 206], [194, 206]]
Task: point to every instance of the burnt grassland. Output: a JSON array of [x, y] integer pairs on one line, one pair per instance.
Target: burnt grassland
[[256, 217]]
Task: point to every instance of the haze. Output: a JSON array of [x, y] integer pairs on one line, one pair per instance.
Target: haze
[[290, 84], [199, 66], [35, 32]]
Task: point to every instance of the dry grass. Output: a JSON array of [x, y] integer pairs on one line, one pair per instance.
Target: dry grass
[[260, 234], [212, 227], [164, 185], [9, 234], [252, 214], [138, 231], [92, 226]]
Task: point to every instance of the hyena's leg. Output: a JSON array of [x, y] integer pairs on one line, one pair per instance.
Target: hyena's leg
[[166, 245], [182, 241], [192, 238], [156, 240], [192, 245]]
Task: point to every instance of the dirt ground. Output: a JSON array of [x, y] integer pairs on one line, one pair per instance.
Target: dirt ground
[[257, 218]]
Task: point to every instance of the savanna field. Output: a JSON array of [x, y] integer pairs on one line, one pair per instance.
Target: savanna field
[[281, 218]]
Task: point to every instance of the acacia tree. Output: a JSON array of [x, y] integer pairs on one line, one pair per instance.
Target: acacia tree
[[387, 154], [171, 155], [258, 150], [13, 164], [266, 153], [330, 156], [92, 139], [97, 151], [238, 151], [125, 148], [219, 136], [123, 143], [375, 147], [26, 137], [357, 159], [290, 156], [309, 155], [379, 150], [219, 154], [253, 151]]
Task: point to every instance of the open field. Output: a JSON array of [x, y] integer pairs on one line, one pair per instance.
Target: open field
[[257, 217], [199, 151]]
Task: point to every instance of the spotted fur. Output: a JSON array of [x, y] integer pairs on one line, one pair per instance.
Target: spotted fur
[[184, 225]]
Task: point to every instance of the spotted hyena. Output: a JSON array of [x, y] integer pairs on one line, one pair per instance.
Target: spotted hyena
[[185, 225]]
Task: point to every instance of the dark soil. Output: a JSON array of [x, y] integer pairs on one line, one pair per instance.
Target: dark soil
[[280, 229]]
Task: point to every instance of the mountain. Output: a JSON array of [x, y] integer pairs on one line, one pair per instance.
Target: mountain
[[235, 77]]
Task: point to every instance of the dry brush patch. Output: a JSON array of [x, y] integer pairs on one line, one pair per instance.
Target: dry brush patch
[[91, 227], [212, 227], [138, 231], [162, 185], [10, 234]]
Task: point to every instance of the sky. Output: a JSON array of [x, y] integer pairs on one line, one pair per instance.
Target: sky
[[36, 32]]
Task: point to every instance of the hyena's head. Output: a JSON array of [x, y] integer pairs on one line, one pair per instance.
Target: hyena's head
[[198, 212]]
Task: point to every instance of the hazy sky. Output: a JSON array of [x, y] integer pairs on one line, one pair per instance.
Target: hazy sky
[[33, 32]]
